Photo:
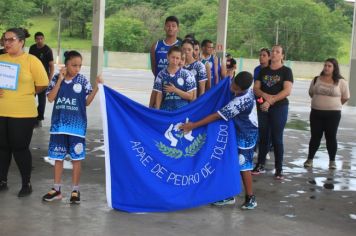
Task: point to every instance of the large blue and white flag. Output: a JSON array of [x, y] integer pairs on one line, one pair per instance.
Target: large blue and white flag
[[151, 166]]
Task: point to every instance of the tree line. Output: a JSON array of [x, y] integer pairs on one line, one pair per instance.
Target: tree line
[[309, 30]]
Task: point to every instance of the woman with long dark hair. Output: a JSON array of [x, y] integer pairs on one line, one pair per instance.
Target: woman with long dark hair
[[328, 92]]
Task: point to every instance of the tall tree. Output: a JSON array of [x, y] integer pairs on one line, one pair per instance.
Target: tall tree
[[11, 15], [332, 4], [43, 6], [192, 12], [308, 31], [124, 34], [151, 18], [74, 15]]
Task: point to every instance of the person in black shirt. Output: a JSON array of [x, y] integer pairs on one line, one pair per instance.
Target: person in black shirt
[[44, 53], [273, 85]]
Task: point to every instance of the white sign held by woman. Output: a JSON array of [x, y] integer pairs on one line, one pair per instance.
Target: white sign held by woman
[[9, 75]]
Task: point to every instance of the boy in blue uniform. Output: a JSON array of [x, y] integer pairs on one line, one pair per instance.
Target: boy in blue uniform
[[160, 49], [174, 85], [241, 109], [71, 93]]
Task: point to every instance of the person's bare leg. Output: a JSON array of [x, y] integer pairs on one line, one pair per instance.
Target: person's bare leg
[[247, 181], [76, 173], [58, 171], [152, 99]]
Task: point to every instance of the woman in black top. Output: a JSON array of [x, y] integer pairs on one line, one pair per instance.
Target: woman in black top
[[274, 85]]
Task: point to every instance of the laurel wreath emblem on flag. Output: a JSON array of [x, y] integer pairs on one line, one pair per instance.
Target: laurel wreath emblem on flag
[[189, 151]]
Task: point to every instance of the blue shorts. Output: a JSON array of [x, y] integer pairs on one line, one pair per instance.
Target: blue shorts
[[62, 144], [246, 159]]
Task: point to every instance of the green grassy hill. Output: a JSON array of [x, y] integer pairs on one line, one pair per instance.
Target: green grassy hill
[[49, 26]]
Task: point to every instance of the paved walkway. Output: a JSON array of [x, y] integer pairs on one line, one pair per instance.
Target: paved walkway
[[307, 202]]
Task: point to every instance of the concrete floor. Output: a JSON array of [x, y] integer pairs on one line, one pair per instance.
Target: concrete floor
[[307, 202]]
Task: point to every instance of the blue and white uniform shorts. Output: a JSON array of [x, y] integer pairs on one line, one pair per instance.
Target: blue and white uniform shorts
[[246, 158], [62, 144]]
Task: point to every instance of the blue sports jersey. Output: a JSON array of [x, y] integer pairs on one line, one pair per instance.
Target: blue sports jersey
[[161, 52], [198, 70], [242, 110], [210, 60], [69, 109], [256, 72], [182, 79]]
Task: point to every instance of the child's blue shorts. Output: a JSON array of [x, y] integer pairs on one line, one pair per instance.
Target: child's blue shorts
[[62, 144], [246, 159]]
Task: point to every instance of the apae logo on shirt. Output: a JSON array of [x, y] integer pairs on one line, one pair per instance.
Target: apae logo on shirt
[[77, 88], [180, 81]]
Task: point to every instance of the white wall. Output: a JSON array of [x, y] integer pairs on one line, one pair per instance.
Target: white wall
[[301, 69]]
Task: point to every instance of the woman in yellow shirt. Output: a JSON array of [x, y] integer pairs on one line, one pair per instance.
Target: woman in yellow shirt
[[18, 107]]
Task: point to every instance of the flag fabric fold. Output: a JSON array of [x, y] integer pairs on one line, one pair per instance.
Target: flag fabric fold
[[151, 166]]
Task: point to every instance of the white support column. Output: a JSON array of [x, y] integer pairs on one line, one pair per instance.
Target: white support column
[[222, 28], [352, 78], [58, 59], [97, 39]]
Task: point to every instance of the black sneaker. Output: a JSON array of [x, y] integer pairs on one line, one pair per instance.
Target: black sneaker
[[250, 203], [75, 197], [52, 195], [25, 190], [3, 186], [259, 169]]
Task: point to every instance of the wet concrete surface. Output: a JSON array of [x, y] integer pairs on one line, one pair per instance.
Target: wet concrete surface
[[314, 201]]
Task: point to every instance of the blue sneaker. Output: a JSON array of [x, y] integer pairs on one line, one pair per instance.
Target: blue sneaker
[[227, 201], [250, 203]]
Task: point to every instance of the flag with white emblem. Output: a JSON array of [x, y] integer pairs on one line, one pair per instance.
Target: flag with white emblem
[[152, 166]]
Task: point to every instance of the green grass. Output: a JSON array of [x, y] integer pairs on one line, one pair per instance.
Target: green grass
[[49, 26], [344, 53]]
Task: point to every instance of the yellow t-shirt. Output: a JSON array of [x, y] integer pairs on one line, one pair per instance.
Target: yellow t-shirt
[[21, 103]]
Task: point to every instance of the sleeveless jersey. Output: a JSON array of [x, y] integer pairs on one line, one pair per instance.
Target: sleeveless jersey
[[161, 52]]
